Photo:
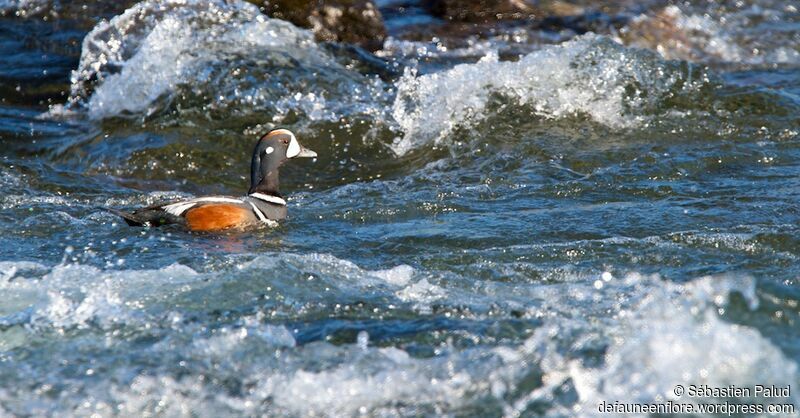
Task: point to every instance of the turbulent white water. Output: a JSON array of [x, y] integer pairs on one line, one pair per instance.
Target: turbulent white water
[[145, 57], [218, 55], [589, 76], [658, 334], [206, 57]]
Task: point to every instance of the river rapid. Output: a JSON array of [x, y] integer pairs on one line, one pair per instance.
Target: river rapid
[[525, 224]]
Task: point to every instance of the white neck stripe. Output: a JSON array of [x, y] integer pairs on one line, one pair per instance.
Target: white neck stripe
[[267, 198], [258, 212]]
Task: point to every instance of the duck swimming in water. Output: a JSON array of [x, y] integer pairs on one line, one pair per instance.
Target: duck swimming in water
[[262, 205]]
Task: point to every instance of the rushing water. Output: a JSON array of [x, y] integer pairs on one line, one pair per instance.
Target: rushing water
[[479, 236]]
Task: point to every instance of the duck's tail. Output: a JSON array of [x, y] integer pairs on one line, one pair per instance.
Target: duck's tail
[[130, 218]]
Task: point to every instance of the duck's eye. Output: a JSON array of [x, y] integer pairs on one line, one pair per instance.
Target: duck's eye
[[285, 141]]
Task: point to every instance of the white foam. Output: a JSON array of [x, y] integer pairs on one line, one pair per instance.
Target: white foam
[[329, 265], [399, 275], [665, 334], [221, 53], [160, 57], [654, 333], [78, 295], [352, 389], [224, 342], [422, 291], [589, 76], [360, 382], [15, 269]]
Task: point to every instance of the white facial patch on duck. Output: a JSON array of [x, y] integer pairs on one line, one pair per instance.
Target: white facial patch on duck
[[269, 150], [294, 147]]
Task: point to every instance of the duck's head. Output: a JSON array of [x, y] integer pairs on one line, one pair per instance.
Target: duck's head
[[272, 150]]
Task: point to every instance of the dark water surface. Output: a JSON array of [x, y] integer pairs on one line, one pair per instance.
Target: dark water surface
[[480, 236]]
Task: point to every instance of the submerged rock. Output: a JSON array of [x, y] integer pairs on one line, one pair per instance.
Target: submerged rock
[[350, 21]]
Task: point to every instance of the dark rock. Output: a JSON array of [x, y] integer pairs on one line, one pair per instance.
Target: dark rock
[[662, 32], [483, 11], [520, 22], [479, 10], [596, 22], [356, 22]]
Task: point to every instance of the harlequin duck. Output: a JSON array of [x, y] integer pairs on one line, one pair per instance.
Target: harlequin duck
[[262, 205]]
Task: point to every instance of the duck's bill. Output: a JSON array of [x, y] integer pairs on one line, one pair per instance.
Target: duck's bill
[[305, 152]]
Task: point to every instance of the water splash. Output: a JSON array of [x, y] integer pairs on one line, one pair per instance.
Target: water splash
[[206, 57], [590, 76]]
